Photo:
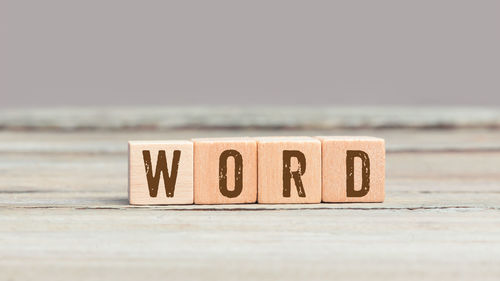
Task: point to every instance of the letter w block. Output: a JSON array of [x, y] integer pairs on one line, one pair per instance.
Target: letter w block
[[160, 172]]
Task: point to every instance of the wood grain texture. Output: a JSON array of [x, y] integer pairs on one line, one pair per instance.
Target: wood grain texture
[[261, 117], [207, 176], [288, 178], [64, 212], [369, 187], [178, 190]]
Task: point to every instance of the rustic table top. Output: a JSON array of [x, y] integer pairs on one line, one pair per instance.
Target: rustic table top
[[64, 211]]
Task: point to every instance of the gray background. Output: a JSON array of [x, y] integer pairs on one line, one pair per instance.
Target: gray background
[[249, 52]]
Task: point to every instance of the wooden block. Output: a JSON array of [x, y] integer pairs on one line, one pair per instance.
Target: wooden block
[[225, 170], [160, 172], [353, 169], [289, 170]]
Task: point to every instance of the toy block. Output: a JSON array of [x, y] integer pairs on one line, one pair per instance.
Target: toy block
[[225, 170], [160, 172], [289, 170], [353, 169]]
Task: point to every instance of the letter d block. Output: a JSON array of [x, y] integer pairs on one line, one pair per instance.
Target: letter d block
[[160, 172], [353, 169], [225, 171], [289, 170]]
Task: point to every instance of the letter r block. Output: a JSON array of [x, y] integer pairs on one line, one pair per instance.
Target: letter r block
[[353, 169], [160, 172], [225, 170], [289, 170]]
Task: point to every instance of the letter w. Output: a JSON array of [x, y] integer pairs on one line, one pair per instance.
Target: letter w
[[161, 167]]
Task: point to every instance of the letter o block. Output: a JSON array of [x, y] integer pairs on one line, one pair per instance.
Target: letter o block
[[289, 170], [160, 172], [225, 171], [353, 169]]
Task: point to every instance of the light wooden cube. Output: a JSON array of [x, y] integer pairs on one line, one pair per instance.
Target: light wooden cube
[[289, 170], [353, 169], [225, 170], [160, 172]]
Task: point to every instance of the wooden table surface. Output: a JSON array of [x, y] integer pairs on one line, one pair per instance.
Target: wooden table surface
[[64, 213]]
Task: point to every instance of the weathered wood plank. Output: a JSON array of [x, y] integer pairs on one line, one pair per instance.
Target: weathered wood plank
[[97, 142], [452, 244], [64, 215], [154, 118]]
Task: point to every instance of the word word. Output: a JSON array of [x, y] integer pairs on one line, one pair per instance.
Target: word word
[[257, 170]]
